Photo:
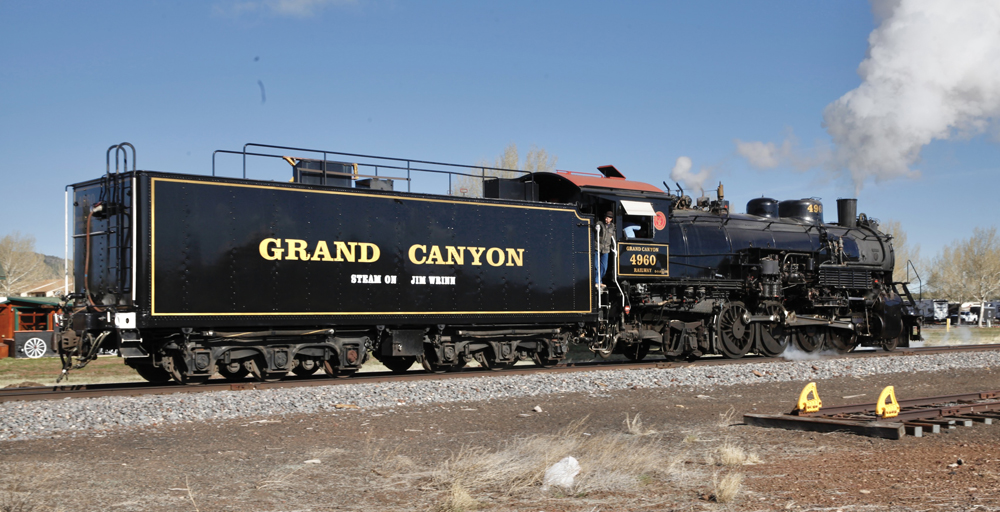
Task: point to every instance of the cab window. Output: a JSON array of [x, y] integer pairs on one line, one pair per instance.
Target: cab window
[[637, 220]]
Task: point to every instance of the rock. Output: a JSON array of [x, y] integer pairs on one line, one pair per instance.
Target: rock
[[537, 408]]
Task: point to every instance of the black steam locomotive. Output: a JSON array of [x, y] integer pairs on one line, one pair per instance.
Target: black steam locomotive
[[188, 276]]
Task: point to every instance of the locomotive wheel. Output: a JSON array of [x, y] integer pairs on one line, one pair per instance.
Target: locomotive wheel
[[490, 363], [305, 368], [842, 340], [175, 367], [902, 339], [772, 339], [735, 334], [890, 344], [432, 367], [257, 369], [636, 351], [811, 338], [544, 361], [152, 373], [398, 364], [233, 371]]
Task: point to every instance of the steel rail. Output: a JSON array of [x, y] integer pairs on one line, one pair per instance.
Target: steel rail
[[961, 399], [147, 388]]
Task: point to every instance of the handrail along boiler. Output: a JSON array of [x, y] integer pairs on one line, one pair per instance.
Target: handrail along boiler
[[189, 275]]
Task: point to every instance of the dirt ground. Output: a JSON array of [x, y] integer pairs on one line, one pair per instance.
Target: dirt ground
[[690, 452]]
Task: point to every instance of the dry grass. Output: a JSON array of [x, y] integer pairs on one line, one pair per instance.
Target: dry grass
[[457, 500], [730, 453], [387, 460], [278, 476], [726, 418], [11, 501], [726, 489], [19, 483], [45, 370], [634, 427], [959, 335], [609, 462]]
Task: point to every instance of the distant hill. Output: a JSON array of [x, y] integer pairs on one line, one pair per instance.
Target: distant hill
[[54, 266]]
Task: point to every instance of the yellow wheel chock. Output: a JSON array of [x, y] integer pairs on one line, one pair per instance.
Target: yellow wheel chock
[[807, 404], [887, 410]]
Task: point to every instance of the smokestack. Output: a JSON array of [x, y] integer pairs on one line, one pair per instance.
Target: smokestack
[[847, 212]]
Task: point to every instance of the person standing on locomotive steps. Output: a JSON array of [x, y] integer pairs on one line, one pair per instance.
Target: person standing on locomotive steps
[[605, 236]]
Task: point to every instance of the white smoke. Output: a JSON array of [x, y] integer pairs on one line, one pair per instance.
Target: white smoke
[[692, 180], [932, 72], [764, 155], [768, 155]]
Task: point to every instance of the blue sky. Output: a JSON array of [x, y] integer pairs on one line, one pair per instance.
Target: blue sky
[[634, 84]]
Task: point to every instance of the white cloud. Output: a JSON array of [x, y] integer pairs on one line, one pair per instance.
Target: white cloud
[[287, 8]]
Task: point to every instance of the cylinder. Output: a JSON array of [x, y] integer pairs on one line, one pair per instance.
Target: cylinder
[[763, 207], [847, 212]]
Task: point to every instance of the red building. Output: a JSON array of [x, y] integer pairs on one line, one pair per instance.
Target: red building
[[26, 314]]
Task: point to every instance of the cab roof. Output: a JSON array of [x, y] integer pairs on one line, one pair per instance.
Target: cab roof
[[610, 180]]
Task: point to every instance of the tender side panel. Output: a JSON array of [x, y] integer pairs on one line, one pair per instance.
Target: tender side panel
[[244, 251]]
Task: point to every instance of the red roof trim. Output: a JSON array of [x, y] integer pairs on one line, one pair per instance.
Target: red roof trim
[[610, 183]]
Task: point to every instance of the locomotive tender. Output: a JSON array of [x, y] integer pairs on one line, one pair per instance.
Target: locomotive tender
[[190, 275]]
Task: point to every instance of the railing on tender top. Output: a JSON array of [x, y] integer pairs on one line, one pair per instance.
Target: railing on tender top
[[375, 163]]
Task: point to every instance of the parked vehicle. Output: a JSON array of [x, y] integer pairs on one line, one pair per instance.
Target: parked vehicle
[[968, 317]]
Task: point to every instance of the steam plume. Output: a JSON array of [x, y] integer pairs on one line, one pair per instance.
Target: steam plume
[[682, 174], [932, 72]]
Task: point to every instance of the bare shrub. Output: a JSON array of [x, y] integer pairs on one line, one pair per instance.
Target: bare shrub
[[457, 500], [609, 461], [386, 461], [277, 476], [726, 489], [731, 453], [634, 426], [726, 418]]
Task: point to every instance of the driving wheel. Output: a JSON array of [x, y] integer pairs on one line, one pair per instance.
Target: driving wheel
[[810, 338], [843, 340], [735, 333], [772, 337]]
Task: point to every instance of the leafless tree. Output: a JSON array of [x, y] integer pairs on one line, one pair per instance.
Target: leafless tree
[[903, 250], [969, 270], [20, 265], [537, 160]]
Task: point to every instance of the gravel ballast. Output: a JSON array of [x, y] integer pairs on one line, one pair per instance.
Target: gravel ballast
[[71, 417]]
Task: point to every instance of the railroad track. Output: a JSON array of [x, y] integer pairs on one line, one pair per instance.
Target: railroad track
[[146, 388], [893, 420]]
